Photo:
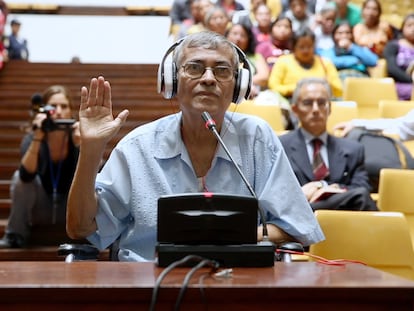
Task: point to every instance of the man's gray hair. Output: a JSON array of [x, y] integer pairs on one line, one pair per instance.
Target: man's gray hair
[[307, 81], [208, 40]]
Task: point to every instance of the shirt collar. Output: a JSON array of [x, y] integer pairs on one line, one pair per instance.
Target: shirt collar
[[309, 137], [170, 144]]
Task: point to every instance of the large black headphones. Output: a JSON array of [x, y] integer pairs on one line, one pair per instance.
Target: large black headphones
[[167, 76]]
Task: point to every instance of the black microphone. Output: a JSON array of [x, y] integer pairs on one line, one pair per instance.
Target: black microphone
[[211, 125]]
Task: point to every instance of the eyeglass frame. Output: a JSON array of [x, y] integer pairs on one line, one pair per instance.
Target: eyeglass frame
[[311, 102], [234, 72]]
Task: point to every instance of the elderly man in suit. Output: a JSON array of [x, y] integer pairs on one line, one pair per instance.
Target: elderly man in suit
[[329, 169]]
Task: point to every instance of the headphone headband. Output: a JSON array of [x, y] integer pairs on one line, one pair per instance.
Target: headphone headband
[[167, 75]]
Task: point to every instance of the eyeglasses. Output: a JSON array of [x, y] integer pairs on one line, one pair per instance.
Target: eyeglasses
[[197, 70], [322, 103]]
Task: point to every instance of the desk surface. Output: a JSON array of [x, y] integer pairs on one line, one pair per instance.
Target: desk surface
[[127, 286]]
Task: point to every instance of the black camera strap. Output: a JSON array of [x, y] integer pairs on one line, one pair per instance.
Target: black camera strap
[[56, 177]]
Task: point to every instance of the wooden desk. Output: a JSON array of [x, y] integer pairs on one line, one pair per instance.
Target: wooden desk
[[128, 286]]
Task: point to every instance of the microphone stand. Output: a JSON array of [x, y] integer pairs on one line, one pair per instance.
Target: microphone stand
[[211, 125]]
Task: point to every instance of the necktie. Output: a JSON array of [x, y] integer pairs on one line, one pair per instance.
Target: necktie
[[320, 171]]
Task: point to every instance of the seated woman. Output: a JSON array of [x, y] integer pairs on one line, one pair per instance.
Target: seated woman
[[242, 36], [399, 54], [262, 26], [372, 32], [302, 63], [280, 42], [349, 58], [217, 20]]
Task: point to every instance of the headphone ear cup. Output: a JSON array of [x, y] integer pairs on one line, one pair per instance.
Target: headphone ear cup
[[167, 80], [242, 87]]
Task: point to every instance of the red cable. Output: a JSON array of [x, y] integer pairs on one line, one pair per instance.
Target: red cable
[[335, 262]]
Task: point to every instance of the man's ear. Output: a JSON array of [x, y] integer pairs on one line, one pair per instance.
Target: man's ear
[[329, 108], [295, 109]]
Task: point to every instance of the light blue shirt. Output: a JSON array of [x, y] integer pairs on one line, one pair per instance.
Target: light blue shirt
[[152, 161]]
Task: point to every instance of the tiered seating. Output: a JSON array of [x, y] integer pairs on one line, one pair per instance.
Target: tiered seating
[[395, 193], [367, 92], [379, 239], [133, 87]]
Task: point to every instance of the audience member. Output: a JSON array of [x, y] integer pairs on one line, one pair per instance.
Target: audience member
[[275, 7], [329, 169], [242, 36], [299, 15], [40, 186], [347, 11], [311, 5], [180, 13], [199, 9], [280, 42], [372, 32], [318, 5], [324, 28], [15, 45], [403, 127], [303, 62], [3, 20], [196, 19], [217, 20], [75, 59], [177, 154], [399, 55], [262, 27], [3, 16], [349, 58], [230, 6]]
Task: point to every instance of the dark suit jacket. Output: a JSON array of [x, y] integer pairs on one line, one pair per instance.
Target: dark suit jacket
[[346, 160]]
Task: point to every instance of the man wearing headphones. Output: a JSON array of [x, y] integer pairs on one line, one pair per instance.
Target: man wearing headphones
[[177, 154]]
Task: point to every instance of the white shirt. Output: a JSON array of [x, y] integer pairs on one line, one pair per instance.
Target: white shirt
[[403, 126]]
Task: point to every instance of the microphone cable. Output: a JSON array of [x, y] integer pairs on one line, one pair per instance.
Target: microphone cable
[[206, 262], [167, 270]]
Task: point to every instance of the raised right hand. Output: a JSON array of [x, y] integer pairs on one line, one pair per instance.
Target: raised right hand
[[97, 124]]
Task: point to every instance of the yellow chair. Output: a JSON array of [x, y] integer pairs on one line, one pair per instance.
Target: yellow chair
[[395, 193], [393, 18], [379, 239], [409, 144], [341, 111], [394, 108], [270, 113], [367, 92], [380, 70]]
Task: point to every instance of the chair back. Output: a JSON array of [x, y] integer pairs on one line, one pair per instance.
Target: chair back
[[270, 113], [380, 70], [367, 92], [341, 111], [394, 108], [395, 193], [379, 239]]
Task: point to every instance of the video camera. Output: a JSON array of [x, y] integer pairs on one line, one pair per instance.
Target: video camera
[[48, 124]]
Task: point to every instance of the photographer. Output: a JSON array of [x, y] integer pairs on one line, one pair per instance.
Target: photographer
[[49, 150]]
